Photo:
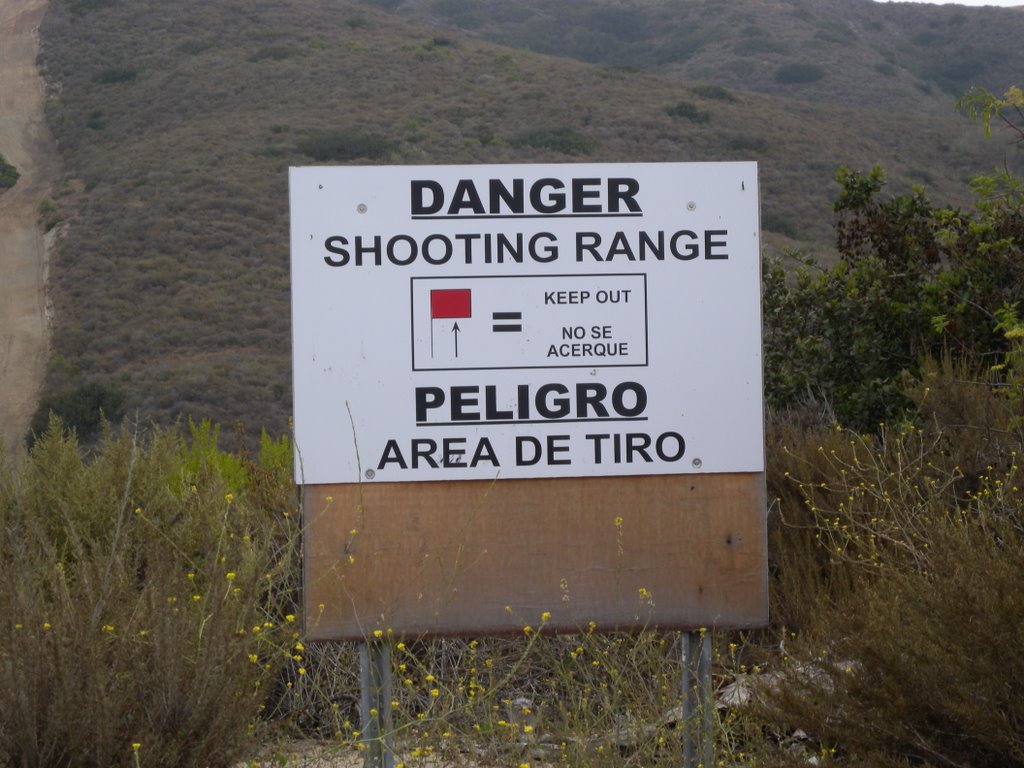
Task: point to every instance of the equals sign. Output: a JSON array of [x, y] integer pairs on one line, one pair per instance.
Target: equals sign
[[500, 326]]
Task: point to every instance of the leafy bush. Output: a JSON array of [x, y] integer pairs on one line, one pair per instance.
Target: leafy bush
[[839, 339], [914, 280], [341, 144], [96, 121], [8, 174], [885, 68], [49, 214], [798, 73], [774, 222], [898, 231], [957, 69], [82, 409], [141, 603], [568, 141], [689, 111]]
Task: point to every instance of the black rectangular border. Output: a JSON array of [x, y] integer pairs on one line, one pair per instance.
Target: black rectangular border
[[412, 328]]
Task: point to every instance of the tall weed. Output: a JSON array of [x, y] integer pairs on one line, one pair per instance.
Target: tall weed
[[900, 557], [140, 602]]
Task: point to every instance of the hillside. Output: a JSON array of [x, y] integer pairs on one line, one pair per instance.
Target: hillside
[[177, 123], [855, 52]]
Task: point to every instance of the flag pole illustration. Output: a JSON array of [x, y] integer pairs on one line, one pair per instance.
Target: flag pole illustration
[[449, 304]]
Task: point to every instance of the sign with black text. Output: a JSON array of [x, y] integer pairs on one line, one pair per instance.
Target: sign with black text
[[525, 321]]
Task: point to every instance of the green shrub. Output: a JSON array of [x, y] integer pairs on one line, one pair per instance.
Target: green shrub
[[898, 231], [8, 174], [885, 68], [340, 145], [797, 73], [49, 214], [689, 111], [141, 622], [96, 121], [202, 456], [82, 409], [840, 339], [774, 222], [957, 69], [914, 280], [568, 141]]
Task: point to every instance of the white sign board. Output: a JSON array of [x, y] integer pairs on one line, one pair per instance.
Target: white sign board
[[522, 321]]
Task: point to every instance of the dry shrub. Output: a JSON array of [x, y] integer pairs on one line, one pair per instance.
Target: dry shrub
[[144, 620], [585, 699], [980, 415], [909, 616], [139, 619]]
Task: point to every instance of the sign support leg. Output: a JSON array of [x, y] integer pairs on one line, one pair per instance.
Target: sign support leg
[[375, 704], [698, 705]]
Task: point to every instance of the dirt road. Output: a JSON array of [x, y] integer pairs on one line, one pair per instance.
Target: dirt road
[[26, 143]]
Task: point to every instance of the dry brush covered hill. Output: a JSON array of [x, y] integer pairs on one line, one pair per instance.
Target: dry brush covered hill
[[177, 123]]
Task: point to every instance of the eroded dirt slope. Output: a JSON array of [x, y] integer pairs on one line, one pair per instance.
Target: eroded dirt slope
[[26, 143]]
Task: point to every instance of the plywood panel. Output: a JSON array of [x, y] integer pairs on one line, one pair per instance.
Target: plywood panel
[[476, 557]]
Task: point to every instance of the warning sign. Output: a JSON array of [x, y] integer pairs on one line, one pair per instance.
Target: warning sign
[[456, 323]]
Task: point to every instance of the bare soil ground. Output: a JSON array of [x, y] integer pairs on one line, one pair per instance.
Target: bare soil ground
[[26, 143]]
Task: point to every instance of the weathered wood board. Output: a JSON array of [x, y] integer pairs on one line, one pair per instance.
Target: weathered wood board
[[479, 557]]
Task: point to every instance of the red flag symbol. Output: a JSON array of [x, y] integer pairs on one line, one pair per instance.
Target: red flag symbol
[[450, 303]]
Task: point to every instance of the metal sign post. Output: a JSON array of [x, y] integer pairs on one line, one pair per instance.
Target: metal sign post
[[375, 704], [698, 704]]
